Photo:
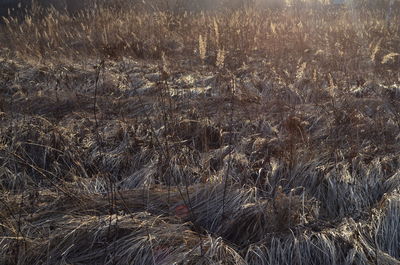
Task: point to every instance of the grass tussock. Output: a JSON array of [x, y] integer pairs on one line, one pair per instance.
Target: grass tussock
[[139, 135]]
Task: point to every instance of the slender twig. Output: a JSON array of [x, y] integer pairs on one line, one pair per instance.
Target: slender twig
[[232, 91]]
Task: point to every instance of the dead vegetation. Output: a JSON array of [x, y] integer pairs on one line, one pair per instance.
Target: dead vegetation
[[238, 137]]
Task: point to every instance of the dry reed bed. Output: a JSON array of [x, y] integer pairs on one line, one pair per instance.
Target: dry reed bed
[[279, 148]]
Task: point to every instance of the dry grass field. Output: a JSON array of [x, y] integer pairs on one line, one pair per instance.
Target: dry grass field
[[131, 134]]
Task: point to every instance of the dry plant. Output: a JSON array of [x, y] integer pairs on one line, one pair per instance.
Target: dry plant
[[143, 133]]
